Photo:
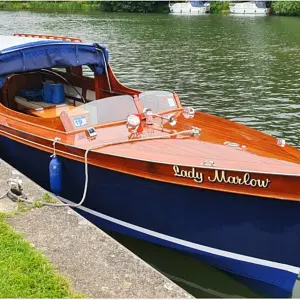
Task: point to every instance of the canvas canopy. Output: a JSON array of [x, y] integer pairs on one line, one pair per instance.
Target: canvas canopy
[[22, 54]]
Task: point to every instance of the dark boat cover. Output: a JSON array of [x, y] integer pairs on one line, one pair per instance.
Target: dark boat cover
[[19, 54]]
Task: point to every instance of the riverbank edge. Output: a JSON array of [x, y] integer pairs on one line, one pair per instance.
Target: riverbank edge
[[49, 6], [279, 8], [96, 264], [101, 6]]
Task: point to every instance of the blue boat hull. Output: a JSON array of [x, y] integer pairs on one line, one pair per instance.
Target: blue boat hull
[[252, 237]]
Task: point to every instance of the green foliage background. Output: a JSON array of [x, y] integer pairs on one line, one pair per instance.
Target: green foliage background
[[218, 7], [134, 6], [50, 6], [286, 8]]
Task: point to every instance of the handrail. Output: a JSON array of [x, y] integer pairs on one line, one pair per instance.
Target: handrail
[[49, 37]]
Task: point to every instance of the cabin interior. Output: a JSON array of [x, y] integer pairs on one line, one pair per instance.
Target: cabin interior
[[21, 93], [78, 88], [88, 101], [81, 101]]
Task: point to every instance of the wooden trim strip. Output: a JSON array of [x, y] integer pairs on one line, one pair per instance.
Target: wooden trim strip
[[142, 160], [164, 172], [49, 37]]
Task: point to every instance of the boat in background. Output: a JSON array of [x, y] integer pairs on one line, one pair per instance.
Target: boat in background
[[141, 164], [190, 8], [249, 8]]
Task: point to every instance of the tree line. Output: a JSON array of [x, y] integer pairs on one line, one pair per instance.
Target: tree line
[[283, 8], [287, 8]]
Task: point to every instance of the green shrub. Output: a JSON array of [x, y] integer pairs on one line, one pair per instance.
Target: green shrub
[[218, 6], [286, 8], [134, 6]]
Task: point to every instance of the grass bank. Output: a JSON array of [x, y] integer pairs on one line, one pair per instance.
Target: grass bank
[[25, 272]]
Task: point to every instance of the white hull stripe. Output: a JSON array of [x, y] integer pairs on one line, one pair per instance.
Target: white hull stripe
[[192, 245]]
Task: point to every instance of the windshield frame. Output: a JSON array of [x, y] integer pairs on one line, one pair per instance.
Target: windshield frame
[[120, 122]]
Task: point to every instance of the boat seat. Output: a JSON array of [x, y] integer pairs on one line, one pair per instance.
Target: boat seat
[[30, 105], [27, 104], [43, 109]]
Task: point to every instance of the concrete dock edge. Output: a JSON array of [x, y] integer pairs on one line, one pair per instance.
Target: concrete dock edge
[[95, 263]]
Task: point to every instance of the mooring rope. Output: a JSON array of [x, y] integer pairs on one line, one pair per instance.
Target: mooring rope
[[23, 197]]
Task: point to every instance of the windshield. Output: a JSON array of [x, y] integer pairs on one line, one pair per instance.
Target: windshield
[[196, 3], [158, 101], [117, 108], [260, 4]]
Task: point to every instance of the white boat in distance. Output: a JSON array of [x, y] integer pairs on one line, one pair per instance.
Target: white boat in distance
[[190, 8], [249, 8]]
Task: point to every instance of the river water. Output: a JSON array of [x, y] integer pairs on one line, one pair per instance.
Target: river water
[[242, 68]]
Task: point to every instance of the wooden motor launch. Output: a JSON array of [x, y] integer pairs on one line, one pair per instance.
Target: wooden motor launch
[[150, 168]]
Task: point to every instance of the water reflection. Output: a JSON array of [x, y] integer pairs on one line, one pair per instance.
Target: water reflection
[[199, 279]]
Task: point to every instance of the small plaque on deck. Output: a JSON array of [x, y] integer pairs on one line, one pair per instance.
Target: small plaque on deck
[[80, 121]]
